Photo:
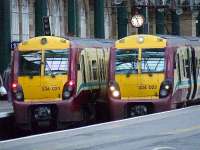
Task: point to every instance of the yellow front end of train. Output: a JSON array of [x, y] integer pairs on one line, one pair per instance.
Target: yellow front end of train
[[42, 69], [139, 64], [140, 68]]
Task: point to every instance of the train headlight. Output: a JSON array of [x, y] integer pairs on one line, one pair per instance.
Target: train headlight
[[163, 93], [165, 88], [19, 95], [115, 93], [14, 87], [68, 90], [114, 89], [66, 94], [17, 92]]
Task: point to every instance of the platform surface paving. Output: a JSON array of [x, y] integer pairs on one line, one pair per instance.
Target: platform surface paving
[[174, 130]]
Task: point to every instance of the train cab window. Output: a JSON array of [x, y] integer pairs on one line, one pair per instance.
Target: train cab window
[[153, 60], [29, 63], [126, 61], [56, 62]]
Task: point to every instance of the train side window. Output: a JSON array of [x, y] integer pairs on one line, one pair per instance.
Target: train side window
[[198, 67], [103, 69], [104, 64], [183, 62], [83, 70], [90, 71], [100, 70], [187, 68], [94, 69], [179, 70], [78, 67], [175, 60]]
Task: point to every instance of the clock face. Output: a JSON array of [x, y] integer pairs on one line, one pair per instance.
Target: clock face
[[137, 21]]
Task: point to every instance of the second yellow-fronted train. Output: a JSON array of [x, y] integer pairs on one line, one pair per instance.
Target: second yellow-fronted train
[[152, 74]]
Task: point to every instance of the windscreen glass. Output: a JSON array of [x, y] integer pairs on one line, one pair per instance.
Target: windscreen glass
[[126, 61], [56, 62], [153, 60], [29, 63]]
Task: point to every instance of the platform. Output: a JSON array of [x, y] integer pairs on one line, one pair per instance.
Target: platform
[[6, 108], [174, 130]]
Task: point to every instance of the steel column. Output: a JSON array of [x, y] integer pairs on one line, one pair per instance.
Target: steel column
[[122, 20], [159, 22], [40, 11], [99, 31], [142, 29], [175, 23], [5, 30], [72, 18]]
